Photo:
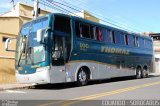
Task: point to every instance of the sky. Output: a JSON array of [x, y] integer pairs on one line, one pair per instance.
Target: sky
[[135, 15]]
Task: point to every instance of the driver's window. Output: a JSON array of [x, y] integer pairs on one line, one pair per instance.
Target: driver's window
[[58, 51]]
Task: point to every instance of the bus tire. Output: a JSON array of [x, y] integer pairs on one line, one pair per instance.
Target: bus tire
[[138, 73], [144, 73], [82, 77]]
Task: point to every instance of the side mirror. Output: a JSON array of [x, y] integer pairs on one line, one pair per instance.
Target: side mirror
[[7, 43], [41, 35]]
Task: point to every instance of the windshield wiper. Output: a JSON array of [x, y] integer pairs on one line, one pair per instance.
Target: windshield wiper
[[29, 55]]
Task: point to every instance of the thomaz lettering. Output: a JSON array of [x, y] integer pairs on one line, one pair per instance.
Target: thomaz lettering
[[114, 50]]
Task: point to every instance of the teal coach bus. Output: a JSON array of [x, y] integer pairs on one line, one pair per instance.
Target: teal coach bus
[[58, 48]]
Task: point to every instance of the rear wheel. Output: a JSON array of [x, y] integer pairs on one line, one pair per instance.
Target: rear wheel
[[144, 73], [82, 77], [138, 73]]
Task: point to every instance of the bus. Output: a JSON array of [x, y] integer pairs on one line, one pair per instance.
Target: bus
[[59, 48]]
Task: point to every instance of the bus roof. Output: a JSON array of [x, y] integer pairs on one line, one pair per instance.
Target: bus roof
[[101, 25], [93, 23]]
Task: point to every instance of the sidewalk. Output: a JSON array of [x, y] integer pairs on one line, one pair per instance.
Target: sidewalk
[[14, 86], [154, 74]]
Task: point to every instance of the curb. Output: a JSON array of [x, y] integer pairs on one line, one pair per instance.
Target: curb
[[155, 74], [16, 87], [27, 86]]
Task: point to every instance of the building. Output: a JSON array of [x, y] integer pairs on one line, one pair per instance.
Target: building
[[10, 24], [86, 15], [146, 33], [156, 46]]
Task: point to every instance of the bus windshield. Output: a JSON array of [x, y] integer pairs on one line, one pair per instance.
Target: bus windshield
[[29, 51]]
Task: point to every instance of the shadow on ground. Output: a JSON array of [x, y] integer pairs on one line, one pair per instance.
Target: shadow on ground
[[74, 84]]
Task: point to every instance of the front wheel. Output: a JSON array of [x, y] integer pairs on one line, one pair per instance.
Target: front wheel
[[82, 77]]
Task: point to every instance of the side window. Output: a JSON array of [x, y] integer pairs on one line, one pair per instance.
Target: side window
[[99, 33], [62, 24], [82, 30], [136, 41], [123, 39], [111, 36], [120, 38], [126, 39], [131, 40], [148, 44], [77, 28], [104, 35], [144, 41], [141, 42], [93, 32]]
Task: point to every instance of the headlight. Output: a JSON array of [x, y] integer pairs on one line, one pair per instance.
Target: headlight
[[42, 69]]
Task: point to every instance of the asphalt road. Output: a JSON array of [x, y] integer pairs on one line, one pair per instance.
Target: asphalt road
[[97, 93]]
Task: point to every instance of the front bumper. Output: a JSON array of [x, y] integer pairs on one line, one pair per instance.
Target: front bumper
[[41, 76]]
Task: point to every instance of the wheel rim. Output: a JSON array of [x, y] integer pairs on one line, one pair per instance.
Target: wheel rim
[[82, 76], [138, 73], [145, 73]]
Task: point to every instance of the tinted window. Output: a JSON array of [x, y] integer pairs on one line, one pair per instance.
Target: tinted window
[[99, 33], [131, 40], [136, 41], [148, 44], [104, 35], [93, 32], [26, 28], [111, 36], [62, 24], [82, 30], [141, 42], [123, 39], [126, 39], [120, 38], [77, 26], [36, 25]]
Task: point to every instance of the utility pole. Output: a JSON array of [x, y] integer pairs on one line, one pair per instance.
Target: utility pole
[[36, 2], [12, 1]]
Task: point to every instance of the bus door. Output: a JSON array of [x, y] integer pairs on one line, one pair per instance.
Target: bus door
[[61, 47], [60, 55]]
